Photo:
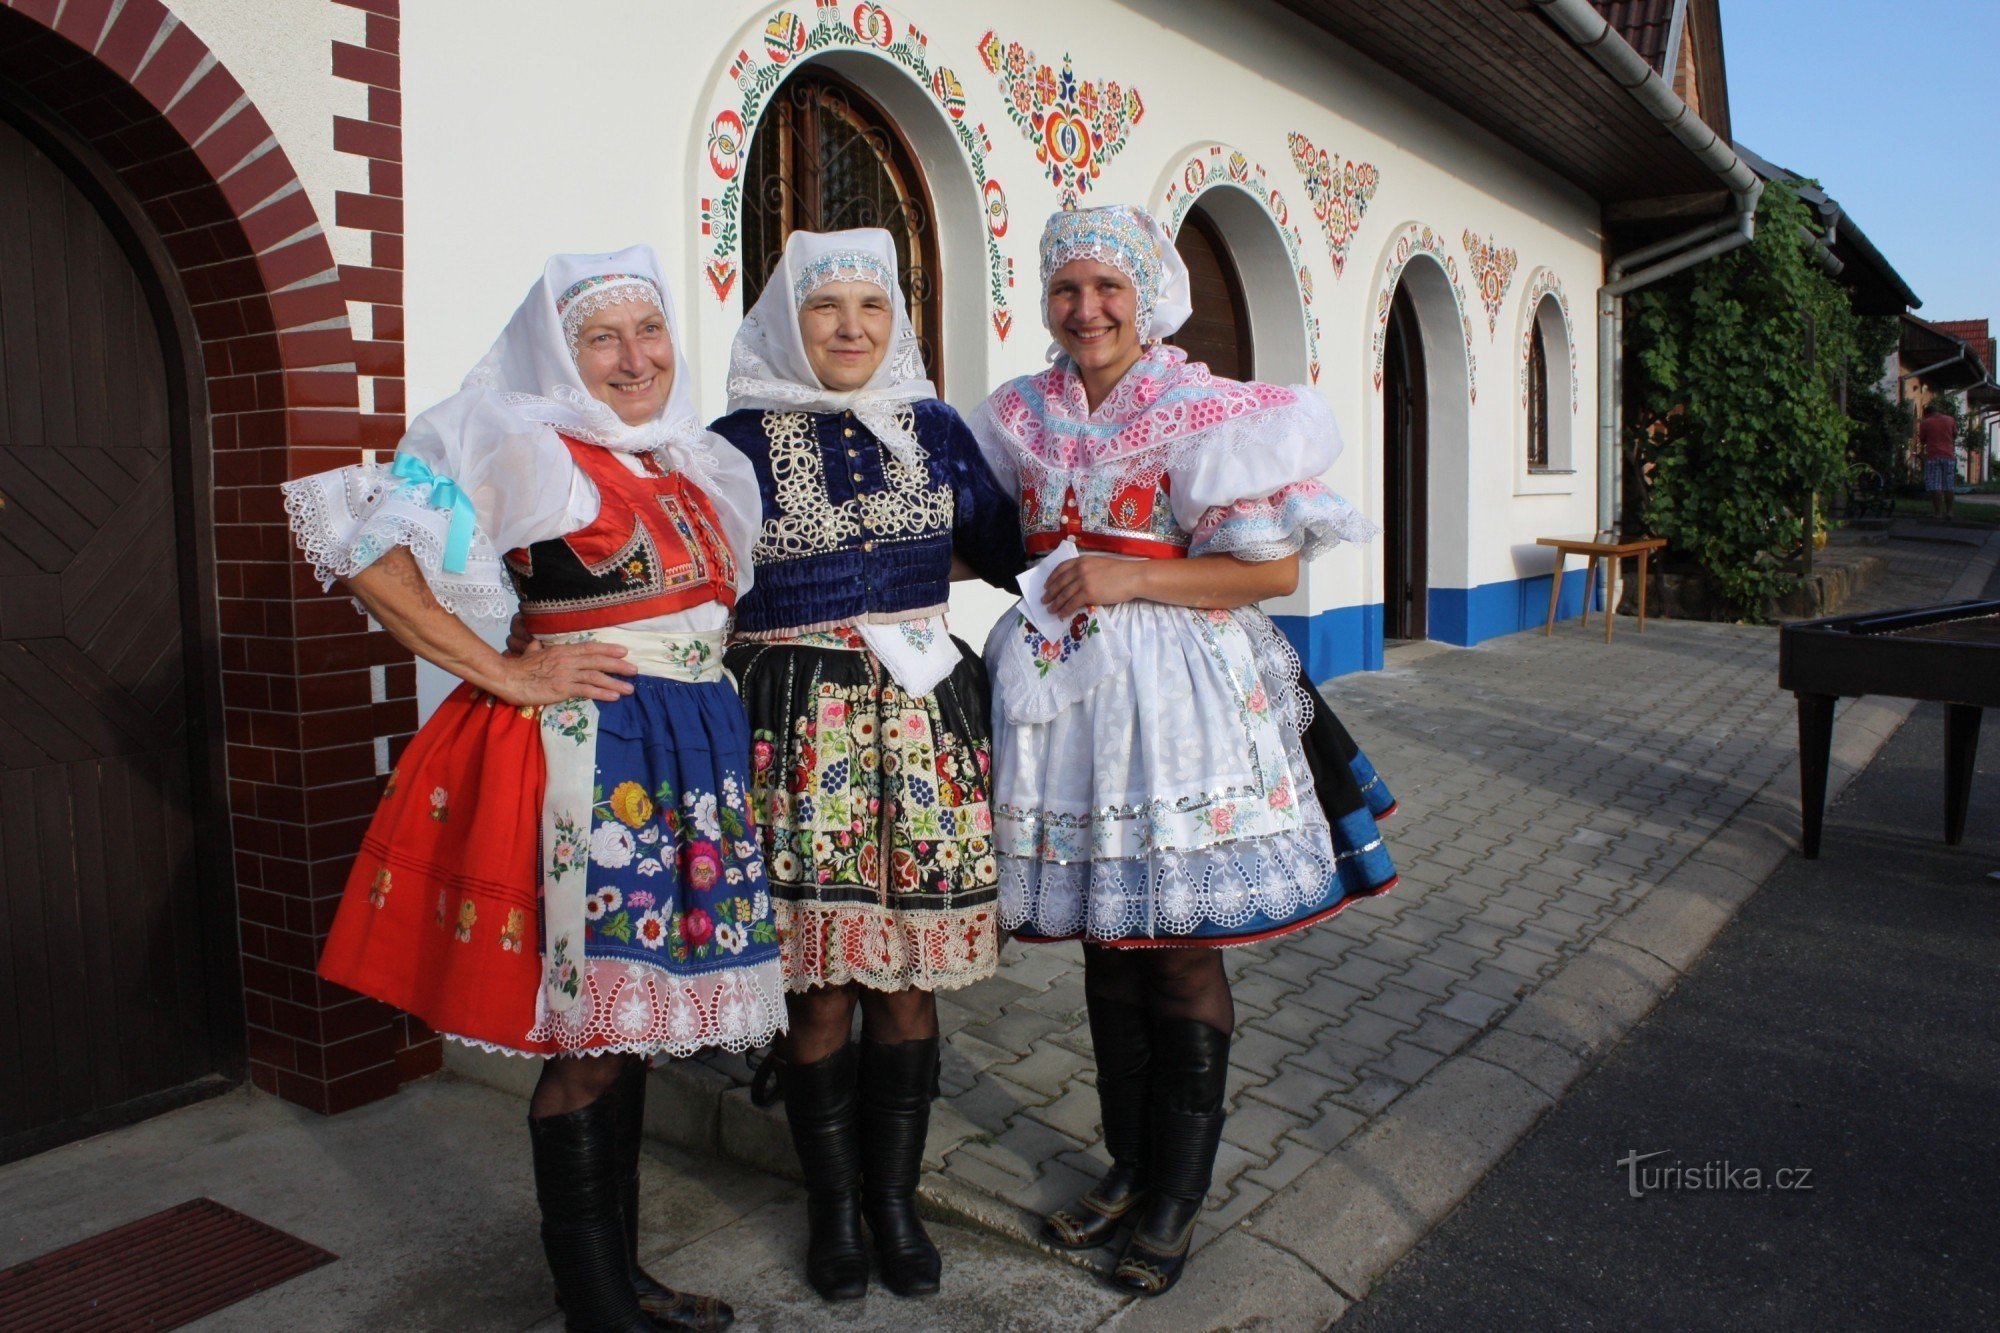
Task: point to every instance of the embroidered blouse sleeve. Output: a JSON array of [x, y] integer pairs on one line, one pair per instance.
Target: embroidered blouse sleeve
[[470, 480], [986, 522], [1253, 490]]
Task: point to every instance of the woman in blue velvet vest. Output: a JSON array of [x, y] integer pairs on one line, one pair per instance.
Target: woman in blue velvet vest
[[871, 744]]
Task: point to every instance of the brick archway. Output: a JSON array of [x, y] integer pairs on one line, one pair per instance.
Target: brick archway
[[305, 695]]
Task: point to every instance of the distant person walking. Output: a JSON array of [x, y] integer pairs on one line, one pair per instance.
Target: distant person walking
[[1937, 434]]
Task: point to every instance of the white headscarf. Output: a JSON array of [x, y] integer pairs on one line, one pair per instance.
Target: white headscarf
[[531, 367], [768, 367], [1132, 241]]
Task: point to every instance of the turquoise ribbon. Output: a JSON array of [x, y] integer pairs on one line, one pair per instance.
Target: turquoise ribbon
[[445, 494]]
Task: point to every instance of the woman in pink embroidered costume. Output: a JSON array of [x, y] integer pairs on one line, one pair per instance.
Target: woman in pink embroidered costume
[[563, 863], [1152, 792]]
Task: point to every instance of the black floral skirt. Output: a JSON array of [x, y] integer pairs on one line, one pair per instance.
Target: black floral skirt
[[871, 807]]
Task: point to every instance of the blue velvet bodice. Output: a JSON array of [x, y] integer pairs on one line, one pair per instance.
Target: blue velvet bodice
[[852, 533]]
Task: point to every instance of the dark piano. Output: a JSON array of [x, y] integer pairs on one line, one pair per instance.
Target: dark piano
[[1949, 652]]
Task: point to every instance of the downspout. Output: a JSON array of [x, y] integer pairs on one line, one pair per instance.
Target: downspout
[[1593, 35], [1823, 243]]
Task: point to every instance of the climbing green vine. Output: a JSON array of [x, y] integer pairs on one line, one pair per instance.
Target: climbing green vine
[[1733, 413]]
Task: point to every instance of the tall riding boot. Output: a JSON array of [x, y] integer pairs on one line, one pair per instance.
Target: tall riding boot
[[667, 1308], [896, 1092], [576, 1182], [1121, 1036], [1190, 1073], [820, 1103]]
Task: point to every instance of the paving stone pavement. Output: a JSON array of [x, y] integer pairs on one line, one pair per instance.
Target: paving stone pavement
[[1547, 784]]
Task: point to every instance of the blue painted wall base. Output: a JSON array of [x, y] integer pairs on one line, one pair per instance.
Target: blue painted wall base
[[1333, 643], [1466, 616], [1349, 638]]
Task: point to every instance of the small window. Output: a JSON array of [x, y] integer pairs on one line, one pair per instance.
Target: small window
[[1538, 400]]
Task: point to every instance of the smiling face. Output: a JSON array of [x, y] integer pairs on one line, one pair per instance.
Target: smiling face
[[625, 357], [1093, 312], [846, 327]]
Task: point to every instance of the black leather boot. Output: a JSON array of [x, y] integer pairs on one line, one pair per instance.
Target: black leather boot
[[681, 1311], [1190, 1074], [1121, 1036], [583, 1232], [896, 1092], [821, 1105]]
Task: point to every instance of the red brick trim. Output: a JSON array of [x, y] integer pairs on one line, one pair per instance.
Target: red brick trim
[[305, 688], [391, 717]]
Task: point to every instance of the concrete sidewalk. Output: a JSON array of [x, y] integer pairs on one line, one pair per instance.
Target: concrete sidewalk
[[1577, 822], [428, 1201]]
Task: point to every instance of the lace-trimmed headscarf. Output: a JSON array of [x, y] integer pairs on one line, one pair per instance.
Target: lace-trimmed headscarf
[[1132, 241], [531, 367], [768, 367]]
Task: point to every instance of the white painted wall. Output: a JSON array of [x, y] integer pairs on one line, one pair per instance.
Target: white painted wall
[[281, 53], [530, 128]]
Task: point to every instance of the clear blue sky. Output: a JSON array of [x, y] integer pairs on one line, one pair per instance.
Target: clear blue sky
[[1895, 110]]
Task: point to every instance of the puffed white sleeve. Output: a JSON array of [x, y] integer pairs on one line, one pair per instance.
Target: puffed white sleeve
[[1251, 489], [471, 480], [730, 481]]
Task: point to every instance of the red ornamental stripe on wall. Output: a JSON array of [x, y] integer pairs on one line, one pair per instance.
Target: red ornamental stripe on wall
[[376, 65], [301, 705]]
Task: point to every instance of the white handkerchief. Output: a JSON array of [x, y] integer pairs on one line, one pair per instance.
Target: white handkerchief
[[919, 653], [1039, 615]]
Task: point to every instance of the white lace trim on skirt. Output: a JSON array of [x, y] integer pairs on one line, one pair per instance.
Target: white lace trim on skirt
[[633, 1009]]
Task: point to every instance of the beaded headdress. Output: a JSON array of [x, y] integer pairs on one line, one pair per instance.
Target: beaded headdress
[[1117, 236], [839, 266], [585, 298]]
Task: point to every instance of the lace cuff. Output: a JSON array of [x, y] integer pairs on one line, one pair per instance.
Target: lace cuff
[[1303, 519], [347, 519]]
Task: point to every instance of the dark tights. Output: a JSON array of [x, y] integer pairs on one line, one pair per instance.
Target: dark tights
[[1166, 983], [573, 1082], [823, 1017]]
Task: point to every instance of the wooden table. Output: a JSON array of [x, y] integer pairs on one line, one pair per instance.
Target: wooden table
[[1613, 549]]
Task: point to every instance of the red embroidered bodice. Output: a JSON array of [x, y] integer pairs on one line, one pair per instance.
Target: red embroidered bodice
[[1115, 507], [655, 547]]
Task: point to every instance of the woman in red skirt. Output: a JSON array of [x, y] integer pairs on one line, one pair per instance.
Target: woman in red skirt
[[563, 864]]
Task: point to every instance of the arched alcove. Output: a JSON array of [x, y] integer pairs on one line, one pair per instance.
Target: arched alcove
[[889, 63], [1271, 297], [1254, 220], [1417, 274]]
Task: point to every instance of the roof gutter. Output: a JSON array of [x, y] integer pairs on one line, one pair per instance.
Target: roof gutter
[[1580, 21], [1935, 366]]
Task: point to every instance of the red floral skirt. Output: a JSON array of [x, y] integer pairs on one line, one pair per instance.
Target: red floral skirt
[[440, 916]]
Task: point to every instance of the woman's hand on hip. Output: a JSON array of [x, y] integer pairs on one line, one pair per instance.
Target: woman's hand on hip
[[549, 673]]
